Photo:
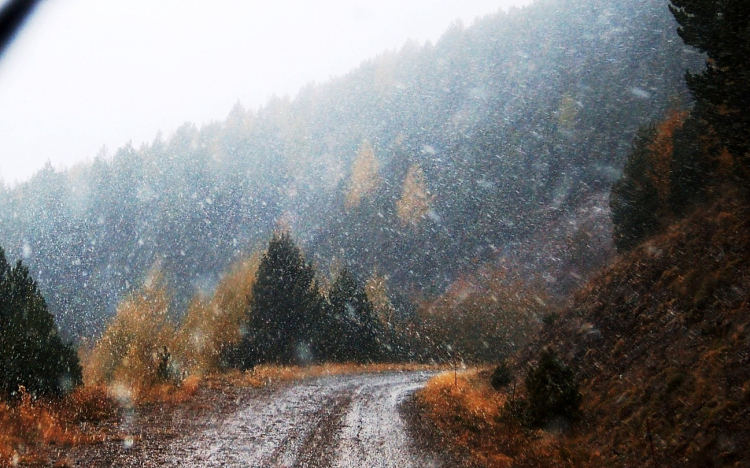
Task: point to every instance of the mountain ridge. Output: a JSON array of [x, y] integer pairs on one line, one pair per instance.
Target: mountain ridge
[[512, 121]]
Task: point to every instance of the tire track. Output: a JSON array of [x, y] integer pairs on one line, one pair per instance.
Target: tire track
[[374, 434], [319, 449]]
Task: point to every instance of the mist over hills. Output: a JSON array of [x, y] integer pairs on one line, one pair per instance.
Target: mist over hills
[[496, 144]]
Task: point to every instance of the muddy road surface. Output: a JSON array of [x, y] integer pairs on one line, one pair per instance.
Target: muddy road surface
[[338, 421]]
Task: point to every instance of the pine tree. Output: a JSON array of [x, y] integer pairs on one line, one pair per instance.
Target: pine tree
[[634, 200], [32, 354], [354, 321], [284, 308], [721, 30]]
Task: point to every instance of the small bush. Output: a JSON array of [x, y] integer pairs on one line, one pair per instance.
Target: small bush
[[90, 404], [550, 318], [501, 377], [517, 413], [553, 390]]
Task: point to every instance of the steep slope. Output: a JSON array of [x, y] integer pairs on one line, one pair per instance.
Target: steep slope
[[660, 341]]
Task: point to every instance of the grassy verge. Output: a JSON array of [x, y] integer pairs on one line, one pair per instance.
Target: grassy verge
[[469, 415], [28, 424], [264, 375]]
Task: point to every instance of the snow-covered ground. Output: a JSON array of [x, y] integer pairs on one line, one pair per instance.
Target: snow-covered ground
[[340, 421]]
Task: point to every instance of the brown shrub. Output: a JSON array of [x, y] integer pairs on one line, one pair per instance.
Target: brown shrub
[[50, 421], [169, 392], [90, 404]]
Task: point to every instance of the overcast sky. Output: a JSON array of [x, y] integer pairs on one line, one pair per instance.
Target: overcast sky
[[87, 73]]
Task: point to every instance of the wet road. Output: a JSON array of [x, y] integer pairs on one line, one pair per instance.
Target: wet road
[[340, 421]]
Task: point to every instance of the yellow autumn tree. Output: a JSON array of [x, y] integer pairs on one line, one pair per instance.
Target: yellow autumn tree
[[132, 347], [568, 112], [377, 292], [416, 200], [365, 177], [213, 324]]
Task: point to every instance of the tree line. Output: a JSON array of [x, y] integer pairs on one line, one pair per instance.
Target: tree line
[[293, 321], [478, 142]]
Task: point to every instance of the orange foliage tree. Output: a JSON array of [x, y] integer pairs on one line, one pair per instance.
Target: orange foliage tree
[[416, 200], [133, 344], [365, 178], [212, 325]]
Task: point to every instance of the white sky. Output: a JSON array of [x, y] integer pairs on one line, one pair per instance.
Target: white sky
[[87, 73]]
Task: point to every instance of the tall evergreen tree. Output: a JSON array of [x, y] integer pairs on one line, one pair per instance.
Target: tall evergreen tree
[[32, 354], [721, 30], [354, 325], [634, 200], [284, 307]]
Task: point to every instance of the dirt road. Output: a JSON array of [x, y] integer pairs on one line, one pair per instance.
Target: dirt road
[[338, 421]]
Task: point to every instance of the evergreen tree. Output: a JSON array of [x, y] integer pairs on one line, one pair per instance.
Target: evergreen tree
[[721, 30], [284, 307], [553, 390], [693, 169], [501, 377], [634, 200], [354, 327], [32, 354]]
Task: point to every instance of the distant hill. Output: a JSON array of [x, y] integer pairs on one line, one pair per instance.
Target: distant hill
[[496, 144]]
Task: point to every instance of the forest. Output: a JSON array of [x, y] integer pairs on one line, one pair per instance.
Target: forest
[[424, 163], [558, 192]]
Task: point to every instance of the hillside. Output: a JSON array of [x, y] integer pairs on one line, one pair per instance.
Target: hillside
[[509, 133], [660, 339]]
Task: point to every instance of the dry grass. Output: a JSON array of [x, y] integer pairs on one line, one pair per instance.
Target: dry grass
[[468, 412], [264, 375], [89, 404], [165, 393], [660, 343], [31, 422]]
